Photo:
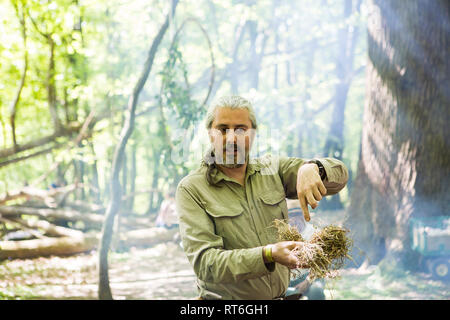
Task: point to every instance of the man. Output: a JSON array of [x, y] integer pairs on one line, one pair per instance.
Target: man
[[227, 208]]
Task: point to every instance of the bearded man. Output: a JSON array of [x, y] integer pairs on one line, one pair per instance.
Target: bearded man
[[227, 207]]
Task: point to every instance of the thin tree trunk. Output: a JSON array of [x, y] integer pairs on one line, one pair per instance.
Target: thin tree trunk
[[15, 102], [95, 189], [155, 178], [51, 87], [334, 144], [130, 202], [116, 192]]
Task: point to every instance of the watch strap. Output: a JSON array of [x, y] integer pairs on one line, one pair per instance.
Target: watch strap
[[322, 172]]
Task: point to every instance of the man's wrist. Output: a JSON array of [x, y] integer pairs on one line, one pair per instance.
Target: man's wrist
[[267, 254], [320, 168]]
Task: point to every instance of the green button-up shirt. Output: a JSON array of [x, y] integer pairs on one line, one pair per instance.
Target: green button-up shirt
[[224, 227]]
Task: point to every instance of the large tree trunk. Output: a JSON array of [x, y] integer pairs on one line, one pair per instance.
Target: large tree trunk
[[104, 291], [405, 159]]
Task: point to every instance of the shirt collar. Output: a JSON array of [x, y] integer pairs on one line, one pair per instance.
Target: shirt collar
[[253, 166]]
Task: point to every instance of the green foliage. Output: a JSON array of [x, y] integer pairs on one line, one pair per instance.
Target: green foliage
[[100, 46]]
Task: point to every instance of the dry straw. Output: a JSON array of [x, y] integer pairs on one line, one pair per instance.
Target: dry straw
[[325, 253]]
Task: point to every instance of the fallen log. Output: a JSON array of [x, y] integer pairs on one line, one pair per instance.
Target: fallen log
[[28, 249], [92, 219], [48, 228], [146, 237], [84, 206], [22, 226], [78, 242], [51, 198]]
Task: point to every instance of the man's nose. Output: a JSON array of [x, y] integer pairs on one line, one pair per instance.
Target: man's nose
[[231, 136]]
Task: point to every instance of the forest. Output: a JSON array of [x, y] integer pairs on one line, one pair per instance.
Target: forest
[[102, 109]]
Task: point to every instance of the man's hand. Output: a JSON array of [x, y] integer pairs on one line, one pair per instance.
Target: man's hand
[[310, 188], [284, 253]]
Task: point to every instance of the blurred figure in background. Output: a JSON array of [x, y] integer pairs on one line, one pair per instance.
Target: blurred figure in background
[[167, 216]]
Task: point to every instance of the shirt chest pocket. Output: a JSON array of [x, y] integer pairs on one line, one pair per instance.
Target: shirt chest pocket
[[274, 205], [230, 223]]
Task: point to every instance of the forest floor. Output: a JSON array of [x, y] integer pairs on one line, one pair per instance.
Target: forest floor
[[163, 272]]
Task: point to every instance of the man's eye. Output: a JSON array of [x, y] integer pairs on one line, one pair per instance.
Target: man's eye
[[240, 131], [223, 130]]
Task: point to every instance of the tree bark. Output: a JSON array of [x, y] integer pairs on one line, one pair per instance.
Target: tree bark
[[155, 178], [130, 201], [404, 169], [115, 191]]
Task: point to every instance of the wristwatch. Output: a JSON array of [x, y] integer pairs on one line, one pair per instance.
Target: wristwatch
[[322, 172]]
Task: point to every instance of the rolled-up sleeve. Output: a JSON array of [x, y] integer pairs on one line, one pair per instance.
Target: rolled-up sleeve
[[205, 250], [337, 174]]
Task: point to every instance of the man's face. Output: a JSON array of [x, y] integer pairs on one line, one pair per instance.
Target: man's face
[[231, 135]]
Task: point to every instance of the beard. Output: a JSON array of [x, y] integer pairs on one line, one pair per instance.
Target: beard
[[232, 165], [235, 158]]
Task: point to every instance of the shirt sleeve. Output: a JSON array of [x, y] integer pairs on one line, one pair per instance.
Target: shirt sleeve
[[337, 174], [205, 250]]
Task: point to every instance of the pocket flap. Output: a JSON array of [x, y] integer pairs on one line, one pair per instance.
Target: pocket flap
[[272, 197], [218, 211]]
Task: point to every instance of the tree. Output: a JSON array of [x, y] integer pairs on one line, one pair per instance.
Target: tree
[[334, 144], [104, 290], [404, 164]]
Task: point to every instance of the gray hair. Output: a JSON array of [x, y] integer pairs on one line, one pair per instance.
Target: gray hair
[[232, 102]]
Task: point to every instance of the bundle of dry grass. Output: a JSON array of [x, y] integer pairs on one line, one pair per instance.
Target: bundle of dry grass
[[324, 253]]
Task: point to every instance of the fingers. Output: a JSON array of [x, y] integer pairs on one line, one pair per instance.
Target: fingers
[[322, 188], [317, 194], [292, 260], [291, 245], [287, 254], [312, 202], [304, 207], [312, 197], [295, 261]]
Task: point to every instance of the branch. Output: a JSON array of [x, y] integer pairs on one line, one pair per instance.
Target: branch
[[38, 153], [37, 142], [75, 142]]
